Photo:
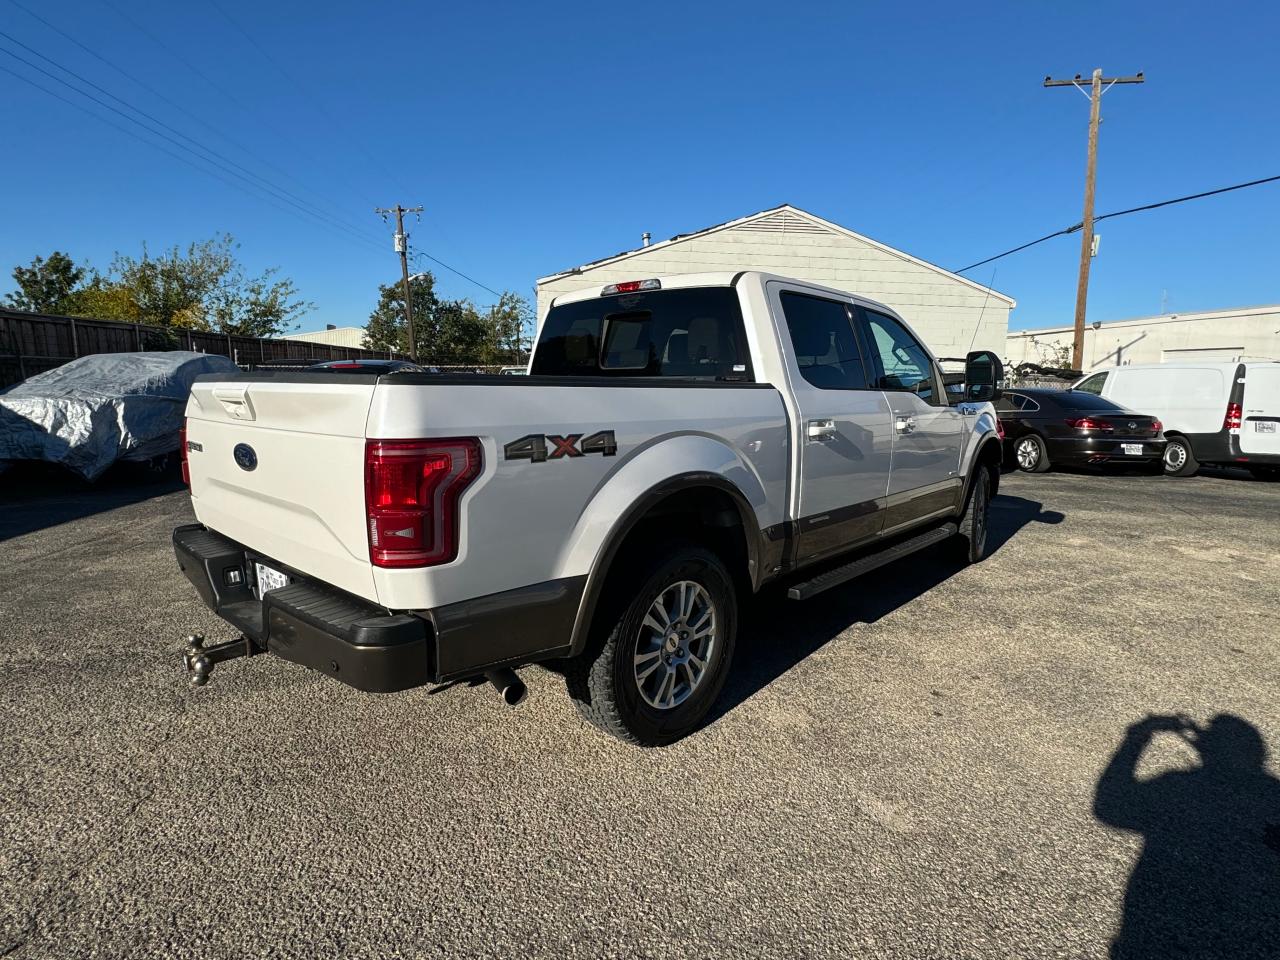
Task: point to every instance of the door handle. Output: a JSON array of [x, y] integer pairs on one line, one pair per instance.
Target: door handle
[[904, 424], [820, 431]]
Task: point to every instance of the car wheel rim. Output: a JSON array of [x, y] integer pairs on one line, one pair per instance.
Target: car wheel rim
[[676, 641], [1174, 456], [1028, 454]]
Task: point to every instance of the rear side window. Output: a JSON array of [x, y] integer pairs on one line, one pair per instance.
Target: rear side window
[[695, 333], [824, 343]]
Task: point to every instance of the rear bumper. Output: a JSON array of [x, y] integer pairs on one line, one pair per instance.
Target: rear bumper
[[363, 645], [1085, 450], [1224, 448], [307, 623]]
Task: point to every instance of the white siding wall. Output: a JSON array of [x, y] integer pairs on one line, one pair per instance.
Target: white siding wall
[[1223, 335], [943, 311]]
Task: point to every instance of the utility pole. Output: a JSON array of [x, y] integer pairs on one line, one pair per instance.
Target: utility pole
[[402, 248], [1097, 89]]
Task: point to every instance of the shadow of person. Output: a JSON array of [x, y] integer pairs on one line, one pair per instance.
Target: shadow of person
[[1207, 883]]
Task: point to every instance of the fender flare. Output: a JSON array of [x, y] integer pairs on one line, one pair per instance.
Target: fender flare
[[979, 451], [635, 513]]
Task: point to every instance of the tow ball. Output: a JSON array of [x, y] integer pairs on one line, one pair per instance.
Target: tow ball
[[199, 660]]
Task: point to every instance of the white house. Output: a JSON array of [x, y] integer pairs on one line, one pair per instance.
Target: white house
[[952, 313], [1252, 332], [331, 335]]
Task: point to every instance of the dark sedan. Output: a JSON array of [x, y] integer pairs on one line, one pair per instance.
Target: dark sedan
[[1070, 427], [373, 366]]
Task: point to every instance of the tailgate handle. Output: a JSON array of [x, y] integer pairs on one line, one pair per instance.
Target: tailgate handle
[[235, 400]]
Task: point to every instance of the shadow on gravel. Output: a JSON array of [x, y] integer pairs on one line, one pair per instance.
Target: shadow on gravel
[[36, 496], [1207, 883], [779, 633]]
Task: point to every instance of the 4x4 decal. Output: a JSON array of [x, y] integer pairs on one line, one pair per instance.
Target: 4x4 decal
[[534, 446]]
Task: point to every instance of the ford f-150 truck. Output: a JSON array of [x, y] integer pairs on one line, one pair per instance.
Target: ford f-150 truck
[[679, 443]]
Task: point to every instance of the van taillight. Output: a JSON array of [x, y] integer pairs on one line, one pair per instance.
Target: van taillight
[[411, 490], [182, 452], [1232, 420]]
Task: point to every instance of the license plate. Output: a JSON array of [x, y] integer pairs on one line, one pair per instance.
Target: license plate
[[1264, 426], [269, 579], [1132, 449]]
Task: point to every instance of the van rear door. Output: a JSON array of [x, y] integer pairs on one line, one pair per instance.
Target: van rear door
[[1260, 422]]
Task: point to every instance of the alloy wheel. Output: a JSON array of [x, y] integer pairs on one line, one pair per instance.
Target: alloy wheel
[[676, 640], [1028, 453]]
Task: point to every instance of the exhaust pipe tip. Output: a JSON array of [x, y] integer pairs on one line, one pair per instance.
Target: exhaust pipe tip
[[509, 686]]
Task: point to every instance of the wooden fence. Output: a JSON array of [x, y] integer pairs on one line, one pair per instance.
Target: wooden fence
[[31, 343]]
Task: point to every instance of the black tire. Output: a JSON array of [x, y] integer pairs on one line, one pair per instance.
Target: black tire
[[1178, 459], [603, 681], [971, 538], [1030, 454]]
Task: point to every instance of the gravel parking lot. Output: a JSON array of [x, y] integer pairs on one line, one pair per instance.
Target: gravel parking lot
[[904, 767]]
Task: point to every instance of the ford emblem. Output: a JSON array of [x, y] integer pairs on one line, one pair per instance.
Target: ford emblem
[[246, 458]]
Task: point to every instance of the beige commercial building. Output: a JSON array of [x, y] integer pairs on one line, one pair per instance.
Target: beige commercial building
[[951, 313], [333, 336], [1226, 335]]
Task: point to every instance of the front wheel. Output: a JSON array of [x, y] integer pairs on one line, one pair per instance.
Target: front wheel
[[1179, 461], [660, 653], [972, 535]]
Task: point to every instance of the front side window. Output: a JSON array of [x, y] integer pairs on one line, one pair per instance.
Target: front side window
[[824, 343], [898, 361], [690, 333], [1093, 384]]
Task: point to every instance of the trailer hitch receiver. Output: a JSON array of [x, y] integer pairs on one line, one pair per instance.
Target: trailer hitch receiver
[[199, 660]]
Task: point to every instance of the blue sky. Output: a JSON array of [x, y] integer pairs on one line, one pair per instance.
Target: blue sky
[[540, 136]]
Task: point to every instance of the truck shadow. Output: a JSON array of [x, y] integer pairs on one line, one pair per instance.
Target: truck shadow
[[781, 633]]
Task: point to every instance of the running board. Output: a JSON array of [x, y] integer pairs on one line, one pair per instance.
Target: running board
[[904, 548]]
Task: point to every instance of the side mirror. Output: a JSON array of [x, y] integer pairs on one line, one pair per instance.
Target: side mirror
[[983, 377]]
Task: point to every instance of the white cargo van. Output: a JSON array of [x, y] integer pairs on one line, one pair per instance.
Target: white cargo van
[[1222, 413]]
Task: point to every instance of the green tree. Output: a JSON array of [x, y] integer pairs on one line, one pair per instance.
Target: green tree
[[449, 332], [204, 287], [48, 285], [510, 322]]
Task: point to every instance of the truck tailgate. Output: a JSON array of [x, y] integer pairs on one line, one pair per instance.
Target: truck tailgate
[[278, 465]]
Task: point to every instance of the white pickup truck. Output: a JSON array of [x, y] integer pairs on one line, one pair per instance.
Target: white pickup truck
[[679, 443]]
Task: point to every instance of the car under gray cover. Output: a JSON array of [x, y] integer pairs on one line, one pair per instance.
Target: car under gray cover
[[91, 412]]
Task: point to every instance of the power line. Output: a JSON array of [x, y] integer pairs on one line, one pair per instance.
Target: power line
[[132, 133], [316, 104], [1121, 213], [319, 218], [482, 286], [206, 153], [174, 104]]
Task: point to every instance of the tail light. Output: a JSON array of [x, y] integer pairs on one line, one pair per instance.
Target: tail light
[[1156, 427], [1088, 423], [1233, 418], [182, 452], [412, 489], [999, 428]]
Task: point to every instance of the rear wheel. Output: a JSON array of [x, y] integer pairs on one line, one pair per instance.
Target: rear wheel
[[661, 653], [1031, 454], [1179, 461], [972, 535]]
